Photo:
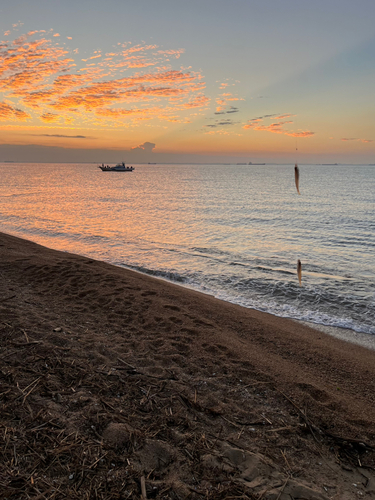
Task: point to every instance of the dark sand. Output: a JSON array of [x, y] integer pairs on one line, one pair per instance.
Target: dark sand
[[116, 385]]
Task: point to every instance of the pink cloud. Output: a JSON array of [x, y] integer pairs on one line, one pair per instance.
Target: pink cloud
[[173, 53], [281, 117], [358, 140], [306, 133], [276, 127], [197, 102]]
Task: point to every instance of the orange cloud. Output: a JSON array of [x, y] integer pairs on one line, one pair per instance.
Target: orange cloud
[[174, 53], [25, 64], [276, 127], [167, 113], [197, 102], [252, 123], [139, 48], [138, 88], [7, 112], [118, 115], [46, 79], [217, 132], [306, 133], [281, 117], [49, 117], [222, 100]]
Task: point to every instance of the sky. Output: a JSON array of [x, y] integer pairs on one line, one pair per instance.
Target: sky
[[273, 81]]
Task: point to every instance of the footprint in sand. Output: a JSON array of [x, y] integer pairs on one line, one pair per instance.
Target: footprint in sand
[[315, 393], [148, 293], [173, 308], [175, 320], [190, 332]]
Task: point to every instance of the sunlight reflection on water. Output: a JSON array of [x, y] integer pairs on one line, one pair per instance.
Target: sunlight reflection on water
[[233, 231]]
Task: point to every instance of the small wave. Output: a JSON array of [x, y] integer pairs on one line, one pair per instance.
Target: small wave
[[275, 270], [167, 275], [209, 251], [298, 311], [17, 195]]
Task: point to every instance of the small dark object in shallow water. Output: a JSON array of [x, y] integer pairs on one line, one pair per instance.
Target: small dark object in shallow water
[[299, 272], [296, 177]]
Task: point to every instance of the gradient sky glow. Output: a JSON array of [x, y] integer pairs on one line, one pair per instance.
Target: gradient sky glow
[[176, 81]]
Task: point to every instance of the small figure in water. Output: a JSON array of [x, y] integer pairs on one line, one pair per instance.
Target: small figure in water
[[296, 177], [299, 272]]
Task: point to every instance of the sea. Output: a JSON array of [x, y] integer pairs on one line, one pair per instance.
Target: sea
[[232, 231]]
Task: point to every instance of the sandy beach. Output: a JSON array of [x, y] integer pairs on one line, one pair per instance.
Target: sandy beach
[[117, 385]]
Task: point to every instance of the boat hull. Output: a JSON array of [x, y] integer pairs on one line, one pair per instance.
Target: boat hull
[[117, 168]]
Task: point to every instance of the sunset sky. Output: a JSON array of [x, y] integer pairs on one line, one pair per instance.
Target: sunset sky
[[181, 81]]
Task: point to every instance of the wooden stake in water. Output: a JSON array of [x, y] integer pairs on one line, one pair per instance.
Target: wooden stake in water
[[299, 272], [296, 177]]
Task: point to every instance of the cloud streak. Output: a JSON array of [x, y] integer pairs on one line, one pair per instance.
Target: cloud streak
[[221, 123], [365, 141], [277, 127], [62, 136]]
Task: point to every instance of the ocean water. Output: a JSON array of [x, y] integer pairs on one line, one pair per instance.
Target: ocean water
[[232, 231]]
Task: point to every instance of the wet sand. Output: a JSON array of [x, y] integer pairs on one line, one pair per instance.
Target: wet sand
[[358, 338], [118, 385]]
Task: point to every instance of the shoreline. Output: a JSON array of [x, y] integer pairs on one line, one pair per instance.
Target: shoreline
[[346, 334], [365, 340], [123, 376]]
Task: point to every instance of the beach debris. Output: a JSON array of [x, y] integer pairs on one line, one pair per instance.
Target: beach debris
[[7, 298], [143, 487], [296, 177], [299, 272]]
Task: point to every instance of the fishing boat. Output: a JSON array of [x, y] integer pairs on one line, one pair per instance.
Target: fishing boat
[[120, 167]]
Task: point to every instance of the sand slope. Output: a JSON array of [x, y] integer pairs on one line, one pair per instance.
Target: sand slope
[[117, 385]]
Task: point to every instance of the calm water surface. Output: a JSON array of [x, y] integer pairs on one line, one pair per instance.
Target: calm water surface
[[232, 231]]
